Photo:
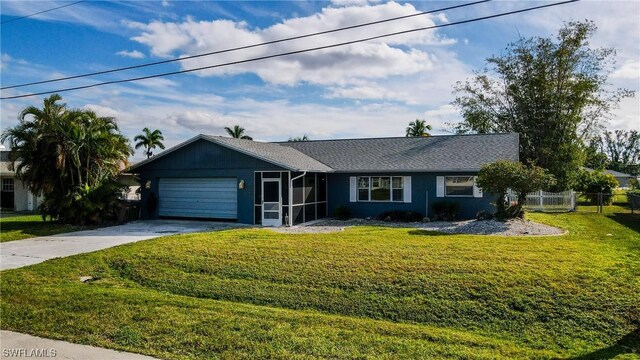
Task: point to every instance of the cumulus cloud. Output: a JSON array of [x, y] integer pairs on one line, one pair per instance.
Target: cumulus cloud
[[629, 70], [135, 54], [379, 59]]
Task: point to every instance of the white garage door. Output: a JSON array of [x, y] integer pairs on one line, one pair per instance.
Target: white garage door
[[198, 198]]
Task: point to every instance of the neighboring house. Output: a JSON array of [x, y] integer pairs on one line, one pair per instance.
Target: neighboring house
[[14, 195], [623, 179], [132, 190], [294, 182]]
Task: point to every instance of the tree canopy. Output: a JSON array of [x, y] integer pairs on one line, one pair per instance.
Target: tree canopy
[[149, 140], [552, 92], [299, 138], [237, 132], [498, 177], [71, 156], [418, 128]]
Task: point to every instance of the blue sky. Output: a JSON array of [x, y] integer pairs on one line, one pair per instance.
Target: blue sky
[[362, 90]]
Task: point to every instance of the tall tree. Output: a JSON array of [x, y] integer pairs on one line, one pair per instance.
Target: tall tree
[[149, 140], [550, 91], [70, 156], [418, 128], [237, 132], [595, 158], [623, 150], [299, 138]]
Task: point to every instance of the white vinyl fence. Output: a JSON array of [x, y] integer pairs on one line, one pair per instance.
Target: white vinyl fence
[[547, 201]]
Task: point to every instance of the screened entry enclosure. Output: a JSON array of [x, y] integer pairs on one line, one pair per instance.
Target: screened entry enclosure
[[289, 198]]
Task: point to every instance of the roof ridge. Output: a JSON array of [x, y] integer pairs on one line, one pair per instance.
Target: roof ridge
[[394, 137]]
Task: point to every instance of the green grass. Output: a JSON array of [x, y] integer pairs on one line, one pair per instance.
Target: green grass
[[27, 226], [364, 292]]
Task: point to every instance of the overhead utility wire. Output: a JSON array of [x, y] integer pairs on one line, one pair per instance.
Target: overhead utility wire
[[42, 12], [242, 47], [290, 52]]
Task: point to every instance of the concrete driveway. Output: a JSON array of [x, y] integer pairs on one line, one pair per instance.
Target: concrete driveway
[[19, 253], [22, 346]]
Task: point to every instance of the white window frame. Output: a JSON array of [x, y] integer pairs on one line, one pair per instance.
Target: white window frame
[[8, 184], [460, 176], [391, 188]]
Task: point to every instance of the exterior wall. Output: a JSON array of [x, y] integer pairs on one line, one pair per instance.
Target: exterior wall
[[20, 196], [22, 199], [423, 185], [204, 159]]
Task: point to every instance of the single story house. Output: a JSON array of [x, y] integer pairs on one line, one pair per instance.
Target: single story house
[[14, 195], [624, 180], [295, 182]]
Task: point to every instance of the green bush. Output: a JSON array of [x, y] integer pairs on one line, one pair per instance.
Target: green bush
[[445, 210], [401, 216], [498, 177], [593, 183], [342, 213], [633, 198], [84, 205]]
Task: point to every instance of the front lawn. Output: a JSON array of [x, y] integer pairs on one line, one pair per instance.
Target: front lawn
[[364, 292], [27, 226]]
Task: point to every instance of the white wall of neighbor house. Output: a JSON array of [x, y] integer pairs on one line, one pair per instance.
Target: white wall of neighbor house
[[24, 200]]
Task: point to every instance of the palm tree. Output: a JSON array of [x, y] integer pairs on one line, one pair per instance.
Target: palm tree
[[72, 157], [418, 128], [237, 132], [149, 140], [299, 138]]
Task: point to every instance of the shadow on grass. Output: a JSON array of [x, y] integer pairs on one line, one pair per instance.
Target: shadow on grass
[[631, 221], [16, 230], [629, 344]]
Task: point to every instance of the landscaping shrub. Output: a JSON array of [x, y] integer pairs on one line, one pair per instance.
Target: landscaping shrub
[[83, 205], [633, 198], [401, 216], [445, 210], [592, 183], [498, 177], [342, 213]]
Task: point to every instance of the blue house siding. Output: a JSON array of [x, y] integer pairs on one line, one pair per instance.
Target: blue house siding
[[422, 185], [204, 159]]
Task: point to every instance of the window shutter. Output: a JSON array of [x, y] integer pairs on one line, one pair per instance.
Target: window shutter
[[353, 188], [439, 186], [477, 192], [407, 188]]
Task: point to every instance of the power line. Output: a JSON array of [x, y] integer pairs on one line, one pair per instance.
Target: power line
[[42, 12], [291, 52], [241, 47]]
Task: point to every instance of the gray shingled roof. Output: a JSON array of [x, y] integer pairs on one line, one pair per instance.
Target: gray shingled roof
[[284, 156], [435, 153], [4, 163]]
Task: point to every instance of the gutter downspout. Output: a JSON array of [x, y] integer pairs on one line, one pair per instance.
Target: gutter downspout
[[291, 195]]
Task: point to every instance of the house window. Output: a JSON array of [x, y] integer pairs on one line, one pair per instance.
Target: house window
[[458, 185], [363, 188], [380, 188], [7, 184]]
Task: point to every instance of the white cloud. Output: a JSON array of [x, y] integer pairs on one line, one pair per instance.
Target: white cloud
[[102, 110], [629, 70], [135, 54], [353, 2], [395, 56]]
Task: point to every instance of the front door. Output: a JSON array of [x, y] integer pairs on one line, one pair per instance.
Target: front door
[[271, 202]]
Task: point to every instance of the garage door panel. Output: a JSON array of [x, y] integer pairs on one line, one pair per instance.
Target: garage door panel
[[210, 196], [198, 198]]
